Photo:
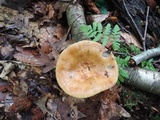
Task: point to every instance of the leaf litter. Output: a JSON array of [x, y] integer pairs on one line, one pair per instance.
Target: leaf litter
[[31, 43]]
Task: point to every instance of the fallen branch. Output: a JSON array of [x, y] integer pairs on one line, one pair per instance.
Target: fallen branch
[[144, 80], [75, 18], [135, 60]]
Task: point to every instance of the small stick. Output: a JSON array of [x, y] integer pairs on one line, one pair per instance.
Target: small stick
[[146, 25], [132, 19], [135, 60], [145, 31]]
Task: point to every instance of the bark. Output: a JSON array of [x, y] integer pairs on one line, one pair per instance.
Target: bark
[[135, 60], [137, 10], [75, 18], [144, 80]]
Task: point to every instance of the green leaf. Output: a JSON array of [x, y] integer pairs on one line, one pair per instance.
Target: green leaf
[[134, 49], [107, 29], [116, 46], [98, 37], [123, 73], [116, 30], [89, 32], [92, 34], [94, 24], [118, 82], [147, 64], [104, 40], [84, 28], [121, 79], [99, 27]]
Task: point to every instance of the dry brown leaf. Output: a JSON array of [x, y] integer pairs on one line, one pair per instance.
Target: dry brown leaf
[[37, 114], [27, 50], [41, 103], [42, 60], [50, 11], [130, 39], [111, 110], [40, 8], [61, 7], [31, 59], [7, 51], [60, 31], [92, 6], [96, 18], [5, 87], [21, 103], [45, 47]]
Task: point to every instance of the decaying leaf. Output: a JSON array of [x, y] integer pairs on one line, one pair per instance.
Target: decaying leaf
[[21, 103], [7, 68], [41, 103], [45, 47], [92, 7], [60, 31], [61, 7], [37, 114], [109, 108], [50, 11], [7, 51], [5, 87], [34, 60], [40, 8], [96, 18], [42, 60], [129, 38]]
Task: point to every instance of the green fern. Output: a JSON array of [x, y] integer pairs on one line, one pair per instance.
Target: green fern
[[96, 32], [134, 49], [147, 64], [123, 74]]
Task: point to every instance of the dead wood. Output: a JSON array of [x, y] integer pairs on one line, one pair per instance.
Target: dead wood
[[144, 80], [137, 10], [75, 18]]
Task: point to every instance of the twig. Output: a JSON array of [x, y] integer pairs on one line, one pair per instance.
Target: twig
[[133, 22], [145, 31], [132, 19], [135, 60]]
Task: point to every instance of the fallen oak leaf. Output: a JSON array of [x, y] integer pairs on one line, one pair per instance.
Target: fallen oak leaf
[[42, 60], [31, 59]]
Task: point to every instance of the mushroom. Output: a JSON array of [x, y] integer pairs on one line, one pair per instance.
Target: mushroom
[[83, 71]]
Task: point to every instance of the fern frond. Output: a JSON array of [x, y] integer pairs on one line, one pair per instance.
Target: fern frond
[[107, 29], [94, 26], [99, 27], [92, 34], [84, 28], [104, 40], [116, 30], [98, 37]]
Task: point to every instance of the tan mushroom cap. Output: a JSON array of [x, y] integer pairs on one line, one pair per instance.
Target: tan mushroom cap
[[82, 71]]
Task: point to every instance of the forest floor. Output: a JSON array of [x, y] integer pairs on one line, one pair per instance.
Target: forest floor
[[30, 42]]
